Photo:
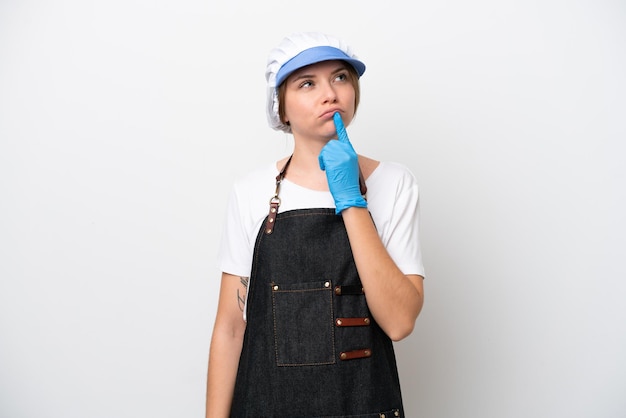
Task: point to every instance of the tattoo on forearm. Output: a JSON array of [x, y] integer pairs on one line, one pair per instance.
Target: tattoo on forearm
[[241, 293]]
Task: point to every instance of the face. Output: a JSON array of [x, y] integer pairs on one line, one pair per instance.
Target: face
[[314, 93]]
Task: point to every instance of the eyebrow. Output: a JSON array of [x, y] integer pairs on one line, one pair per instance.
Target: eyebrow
[[297, 77]]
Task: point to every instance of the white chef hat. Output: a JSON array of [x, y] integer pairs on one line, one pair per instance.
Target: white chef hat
[[296, 51]]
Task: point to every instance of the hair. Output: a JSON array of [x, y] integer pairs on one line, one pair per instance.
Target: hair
[[354, 79]]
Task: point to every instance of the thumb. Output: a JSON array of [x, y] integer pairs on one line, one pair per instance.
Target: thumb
[[342, 135], [320, 159]]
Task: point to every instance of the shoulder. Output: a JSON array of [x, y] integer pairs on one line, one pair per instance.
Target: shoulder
[[391, 186], [389, 173], [386, 169], [252, 190], [367, 165]]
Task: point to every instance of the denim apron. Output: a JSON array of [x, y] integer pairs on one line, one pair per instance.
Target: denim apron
[[311, 347]]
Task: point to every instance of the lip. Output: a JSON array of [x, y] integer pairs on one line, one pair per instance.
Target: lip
[[329, 113]]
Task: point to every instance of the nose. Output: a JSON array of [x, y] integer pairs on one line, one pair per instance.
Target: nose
[[329, 94]]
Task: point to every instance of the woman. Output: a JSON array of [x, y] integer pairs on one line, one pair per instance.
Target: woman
[[333, 261]]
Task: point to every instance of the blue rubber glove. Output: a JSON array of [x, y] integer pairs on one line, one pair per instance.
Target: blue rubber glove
[[341, 164]]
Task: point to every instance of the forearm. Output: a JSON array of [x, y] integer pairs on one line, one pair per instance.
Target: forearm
[[394, 299], [226, 344], [223, 362]]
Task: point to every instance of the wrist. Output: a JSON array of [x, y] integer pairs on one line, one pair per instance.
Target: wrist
[[354, 202]]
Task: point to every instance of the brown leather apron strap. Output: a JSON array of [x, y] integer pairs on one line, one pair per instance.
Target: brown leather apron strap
[[275, 200], [354, 354], [362, 185]]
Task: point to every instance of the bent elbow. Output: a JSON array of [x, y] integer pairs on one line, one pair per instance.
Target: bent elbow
[[403, 326], [401, 332]]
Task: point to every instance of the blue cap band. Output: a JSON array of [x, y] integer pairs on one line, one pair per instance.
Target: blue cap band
[[313, 56]]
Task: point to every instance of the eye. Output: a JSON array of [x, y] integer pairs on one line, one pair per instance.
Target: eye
[[306, 84], [341, 77]]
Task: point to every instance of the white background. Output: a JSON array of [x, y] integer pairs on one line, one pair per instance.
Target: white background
[[124, 122]]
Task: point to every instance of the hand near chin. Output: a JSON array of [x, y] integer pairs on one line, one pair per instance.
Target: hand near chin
[[341, 164]]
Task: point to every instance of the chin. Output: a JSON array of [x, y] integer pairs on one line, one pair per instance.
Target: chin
[[330, 134]]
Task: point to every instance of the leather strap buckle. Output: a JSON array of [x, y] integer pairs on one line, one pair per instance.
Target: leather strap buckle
[[352, 322]]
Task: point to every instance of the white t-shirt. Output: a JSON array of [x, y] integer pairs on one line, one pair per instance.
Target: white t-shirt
[[392, 199]]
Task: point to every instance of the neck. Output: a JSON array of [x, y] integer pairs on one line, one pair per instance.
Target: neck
[[304, 168]]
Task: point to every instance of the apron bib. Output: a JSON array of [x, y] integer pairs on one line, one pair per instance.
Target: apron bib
[[311, 347]]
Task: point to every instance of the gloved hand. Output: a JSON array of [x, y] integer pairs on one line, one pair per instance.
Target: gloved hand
[[341, 164]]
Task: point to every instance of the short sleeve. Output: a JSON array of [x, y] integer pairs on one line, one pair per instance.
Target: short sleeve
[[234, 252], [395, 207]]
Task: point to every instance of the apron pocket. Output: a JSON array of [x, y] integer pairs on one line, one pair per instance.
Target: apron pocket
[[303, 323]]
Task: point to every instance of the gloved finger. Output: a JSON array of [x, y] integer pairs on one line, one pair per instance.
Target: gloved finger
[[342, 135]]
